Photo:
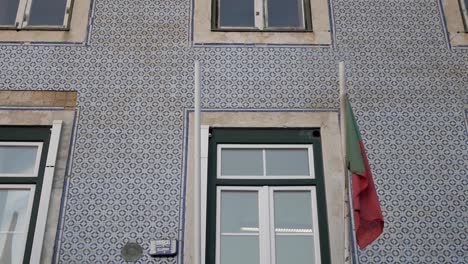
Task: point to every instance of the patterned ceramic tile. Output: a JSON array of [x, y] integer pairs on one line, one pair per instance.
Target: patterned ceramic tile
[[135, 81]]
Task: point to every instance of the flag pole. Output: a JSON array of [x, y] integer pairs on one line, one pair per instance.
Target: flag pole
[[197, 167], [349, 244], [346, 211]]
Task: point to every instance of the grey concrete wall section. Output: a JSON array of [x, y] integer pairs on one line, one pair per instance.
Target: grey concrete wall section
[[135, 79]]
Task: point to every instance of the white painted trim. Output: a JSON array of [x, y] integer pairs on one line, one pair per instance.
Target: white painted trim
[[197, 167], [314, 219], [264, 147], [45, 193], [36, 162], [205, 138], [259, 20], [264, 226], [261, 217], [68, 13], [22, 7], [32, 189]]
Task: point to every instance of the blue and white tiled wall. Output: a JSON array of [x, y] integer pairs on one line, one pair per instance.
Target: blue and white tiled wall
[[135, 81]]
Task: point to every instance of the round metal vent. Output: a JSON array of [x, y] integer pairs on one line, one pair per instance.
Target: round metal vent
[[132, 251]]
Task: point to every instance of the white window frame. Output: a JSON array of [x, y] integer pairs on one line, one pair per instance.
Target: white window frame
[[24, 144], [24, 13], [315, 231], [31, 188], [262, 209], [266, 233], [263, 147], [47, 182], [261, 17]]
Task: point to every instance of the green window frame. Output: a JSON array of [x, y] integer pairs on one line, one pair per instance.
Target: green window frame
[[258, 137], [260, 16], [33, 135]]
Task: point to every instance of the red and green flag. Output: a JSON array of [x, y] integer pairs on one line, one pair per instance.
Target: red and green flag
[[368, 218]]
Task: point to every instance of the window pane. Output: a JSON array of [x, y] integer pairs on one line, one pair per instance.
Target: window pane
[[241, 162], [18, 159], [8, 9], [285, 13], [13, 224], [293, 212], [295, 249], [283, 162], [239, 212], [240, 249], [47, 12], [236, 13]]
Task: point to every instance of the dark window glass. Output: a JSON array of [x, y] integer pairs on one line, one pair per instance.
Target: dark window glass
[[47, 12], [285, 13], [236, 13], [8, 9]]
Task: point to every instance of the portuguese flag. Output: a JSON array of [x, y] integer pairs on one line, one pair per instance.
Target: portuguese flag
[[368, 216]]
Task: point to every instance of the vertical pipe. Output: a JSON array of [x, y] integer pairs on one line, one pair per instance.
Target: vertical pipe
[[197, 173]]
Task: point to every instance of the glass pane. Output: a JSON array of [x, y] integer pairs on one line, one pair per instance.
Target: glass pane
[[17, 159], [285, 13], [8, 9], [293, 212], [13, 210], [236, 13], [295, 249], [239, 212], [47, 12], [240, 249], [283, 162], [13, 224], [241, 162], [12, 248]]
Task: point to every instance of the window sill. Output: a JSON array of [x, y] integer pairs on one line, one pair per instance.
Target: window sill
[[262, 37], [259, 31]]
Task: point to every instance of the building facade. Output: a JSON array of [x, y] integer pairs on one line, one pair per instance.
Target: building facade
[[121, 79]]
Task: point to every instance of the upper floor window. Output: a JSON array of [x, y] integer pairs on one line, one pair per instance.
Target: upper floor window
[[297, 22], [35, 14], [264, 15], [266, 198], [456, 18], [23, 154], [464, 10], [44, 21]]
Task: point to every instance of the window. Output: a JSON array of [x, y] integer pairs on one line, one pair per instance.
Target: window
[[266, 197], [304, 22], [464, 11], [50, 14], [22, 114], [456, 18], [27, 158], [44, 20], [266, 15], [288, 129]]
